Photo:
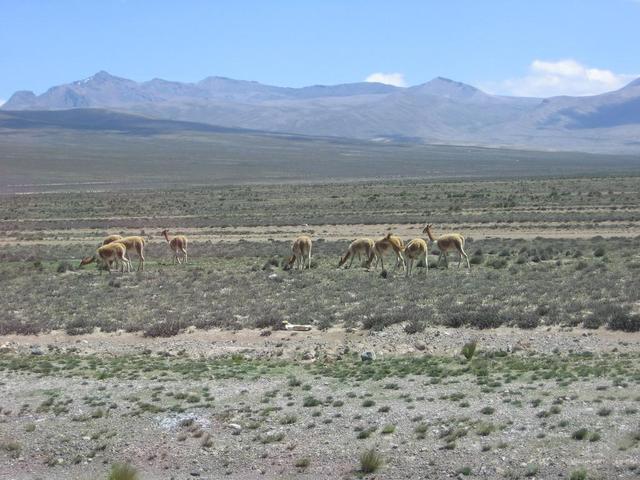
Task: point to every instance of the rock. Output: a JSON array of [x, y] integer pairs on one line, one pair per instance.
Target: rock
[[367, 356], [308, 356], [235, 427], [35, 350], [420, 346], [6, 348]]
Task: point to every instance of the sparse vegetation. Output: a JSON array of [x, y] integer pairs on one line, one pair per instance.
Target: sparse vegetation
[[370, 461], [281, 396], [122, 471]]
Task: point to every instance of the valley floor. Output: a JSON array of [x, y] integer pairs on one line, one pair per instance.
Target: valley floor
[[183, 371]]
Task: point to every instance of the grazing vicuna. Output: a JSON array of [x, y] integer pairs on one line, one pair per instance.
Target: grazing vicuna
[[111, 238], [388, 244], [415, 250], [360, 247], [177, 244], [450, 241], [134, 244], [301, 251], [107, 254]]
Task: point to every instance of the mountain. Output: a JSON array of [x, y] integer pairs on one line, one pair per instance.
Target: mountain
[[441, 111]]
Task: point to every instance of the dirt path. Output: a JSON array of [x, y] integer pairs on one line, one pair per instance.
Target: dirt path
[[343, 232], [435, 340]]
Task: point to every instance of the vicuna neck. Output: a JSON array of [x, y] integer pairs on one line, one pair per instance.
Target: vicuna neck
[[430, 235]]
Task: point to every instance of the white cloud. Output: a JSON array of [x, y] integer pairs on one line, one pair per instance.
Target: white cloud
[[2, 102], [395, 79], [562, 77]]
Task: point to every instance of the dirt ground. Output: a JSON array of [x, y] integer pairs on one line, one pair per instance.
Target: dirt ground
[[219, 343], [304, 405], [346, 232]]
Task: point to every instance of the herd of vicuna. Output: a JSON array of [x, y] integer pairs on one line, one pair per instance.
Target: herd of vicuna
[[375, 251], [116, 249]]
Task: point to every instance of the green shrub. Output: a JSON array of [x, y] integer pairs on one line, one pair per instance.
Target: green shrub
[[497, 263], [469, 349], [122, 471], [370, 461], [580, 474], [310, 401]]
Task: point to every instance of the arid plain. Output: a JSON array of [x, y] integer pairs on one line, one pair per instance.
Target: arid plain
[[183, 371]]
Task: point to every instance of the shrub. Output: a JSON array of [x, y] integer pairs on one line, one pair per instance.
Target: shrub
[[310, 401], [626, 322], [527, 320], [269, 321], [414, 326], [167, 328], [599, 252], [122, 471], [370, 461], [497, 263], [580, 434], [592, 321], [388, 429], [64, 267], [78, 326], [469, 349], [380, 321], [580, 474]]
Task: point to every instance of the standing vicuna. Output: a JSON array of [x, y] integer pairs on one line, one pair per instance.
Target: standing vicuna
[[177, 244], [301, 250], [387, 244], [415, 250], [360, 247], [107, 254], [111, 238], [447, 242], [132, 244]]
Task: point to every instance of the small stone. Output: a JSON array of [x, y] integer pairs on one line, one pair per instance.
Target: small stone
[[421, 346], [367, 356], [36, 351], [235, 427]]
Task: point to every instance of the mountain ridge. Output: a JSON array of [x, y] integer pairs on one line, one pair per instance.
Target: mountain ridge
[[439, 111]]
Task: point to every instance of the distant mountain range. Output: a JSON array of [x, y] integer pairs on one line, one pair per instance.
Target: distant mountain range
[[440, 111]]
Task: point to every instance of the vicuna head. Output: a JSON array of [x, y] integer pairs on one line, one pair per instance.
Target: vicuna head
[[289, 263], [88, 260], [427, 228]]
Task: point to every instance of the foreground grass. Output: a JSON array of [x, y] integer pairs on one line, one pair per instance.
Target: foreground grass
[[492, 368], [465, 415]]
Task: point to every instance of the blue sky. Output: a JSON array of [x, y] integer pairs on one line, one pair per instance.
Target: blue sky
[[541, 47]]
